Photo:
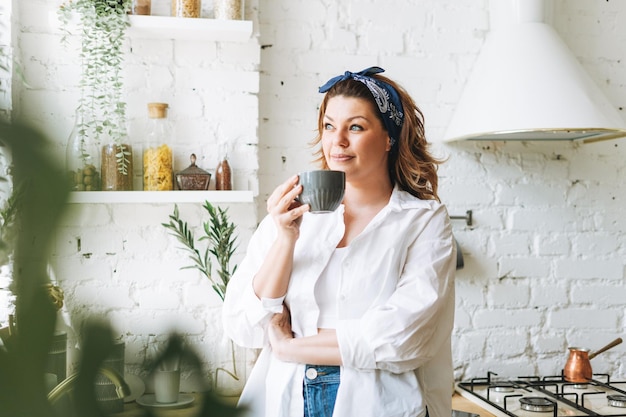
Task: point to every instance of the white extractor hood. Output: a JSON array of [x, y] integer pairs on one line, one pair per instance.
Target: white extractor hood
[[527, 85]]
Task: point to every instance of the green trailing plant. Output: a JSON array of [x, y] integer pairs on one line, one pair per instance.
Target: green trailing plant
[[219, 232], [102, 111]]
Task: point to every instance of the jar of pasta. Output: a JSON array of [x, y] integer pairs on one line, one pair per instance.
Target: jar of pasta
[[157, 155], [186, 8]]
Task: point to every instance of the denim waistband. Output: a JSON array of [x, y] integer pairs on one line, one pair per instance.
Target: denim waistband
[[316, 374]]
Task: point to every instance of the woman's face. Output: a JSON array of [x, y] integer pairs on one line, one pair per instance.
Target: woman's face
[[354, 139]]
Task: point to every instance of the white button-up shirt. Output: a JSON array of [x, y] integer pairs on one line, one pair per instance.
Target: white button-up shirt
[[395, 313]]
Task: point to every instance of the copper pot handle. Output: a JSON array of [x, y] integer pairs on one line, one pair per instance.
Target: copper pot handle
[[605, 348]]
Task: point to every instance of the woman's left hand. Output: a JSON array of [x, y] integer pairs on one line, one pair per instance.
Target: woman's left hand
[[279, 331]]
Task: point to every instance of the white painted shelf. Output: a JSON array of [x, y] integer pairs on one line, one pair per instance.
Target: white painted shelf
[[146, 197], [167, 27]]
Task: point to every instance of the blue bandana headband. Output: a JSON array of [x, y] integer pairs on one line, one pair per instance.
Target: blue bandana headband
[[386, 97]]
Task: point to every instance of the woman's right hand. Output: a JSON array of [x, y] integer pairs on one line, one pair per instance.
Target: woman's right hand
[[272, 278], [285, 209]]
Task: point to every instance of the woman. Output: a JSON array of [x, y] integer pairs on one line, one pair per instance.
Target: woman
[[353, 309]]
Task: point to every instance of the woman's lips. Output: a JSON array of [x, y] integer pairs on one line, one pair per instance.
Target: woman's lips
[[340, 157]]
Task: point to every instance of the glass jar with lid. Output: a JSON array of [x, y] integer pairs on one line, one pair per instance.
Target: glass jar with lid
[[141, 7], [117, 166], [186, 8], [228, 9], [193, 177], [157, 155], [81, 159]]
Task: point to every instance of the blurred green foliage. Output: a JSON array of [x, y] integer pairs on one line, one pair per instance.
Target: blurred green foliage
[[24, 355]]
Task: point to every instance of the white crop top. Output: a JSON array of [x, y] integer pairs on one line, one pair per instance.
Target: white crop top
[[327, 290]]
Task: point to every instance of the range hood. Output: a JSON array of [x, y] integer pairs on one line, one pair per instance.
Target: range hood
[[527, 85]]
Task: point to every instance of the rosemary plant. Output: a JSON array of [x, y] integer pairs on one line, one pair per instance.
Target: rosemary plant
[[102, 26], [219, 232]]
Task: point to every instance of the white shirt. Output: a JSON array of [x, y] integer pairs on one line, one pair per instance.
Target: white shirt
[[327, 291], [395, 313]]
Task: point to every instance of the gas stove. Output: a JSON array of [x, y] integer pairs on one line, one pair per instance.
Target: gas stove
[[549, 396]]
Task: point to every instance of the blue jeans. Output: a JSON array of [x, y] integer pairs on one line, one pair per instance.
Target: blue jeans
[[320, 390]]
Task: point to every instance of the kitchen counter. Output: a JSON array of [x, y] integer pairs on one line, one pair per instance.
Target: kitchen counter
[[463, 404], [132, 409]]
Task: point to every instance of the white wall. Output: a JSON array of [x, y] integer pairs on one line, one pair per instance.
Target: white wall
[[544, 259]]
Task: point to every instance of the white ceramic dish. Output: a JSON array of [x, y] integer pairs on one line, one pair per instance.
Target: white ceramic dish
[[149, 400], [136, 385]]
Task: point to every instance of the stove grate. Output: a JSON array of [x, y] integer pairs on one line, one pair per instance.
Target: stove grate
[[550, 394]]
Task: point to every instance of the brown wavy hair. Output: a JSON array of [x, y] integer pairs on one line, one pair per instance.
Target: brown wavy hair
[[411, 166]]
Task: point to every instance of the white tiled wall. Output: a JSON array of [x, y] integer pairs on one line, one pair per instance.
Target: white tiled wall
[[544, 259]]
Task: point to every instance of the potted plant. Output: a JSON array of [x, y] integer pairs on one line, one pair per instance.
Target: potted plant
[[101, 112], [219, 231]]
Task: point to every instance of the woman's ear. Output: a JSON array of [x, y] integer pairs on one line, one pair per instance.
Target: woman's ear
[[388, 147]]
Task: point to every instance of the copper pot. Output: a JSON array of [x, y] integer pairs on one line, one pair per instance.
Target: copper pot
[[578, 366]]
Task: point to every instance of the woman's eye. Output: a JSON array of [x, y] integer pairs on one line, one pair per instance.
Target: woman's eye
[[356, 127], [328, 126]]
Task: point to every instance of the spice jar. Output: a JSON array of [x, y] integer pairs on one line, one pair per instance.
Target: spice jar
[[186, 8], [157, 155], [228, 9], [141, 7], [117, 167], [81, 160], [223, 175]]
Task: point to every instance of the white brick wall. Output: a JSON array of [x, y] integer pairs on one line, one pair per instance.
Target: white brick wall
[[544, 260]]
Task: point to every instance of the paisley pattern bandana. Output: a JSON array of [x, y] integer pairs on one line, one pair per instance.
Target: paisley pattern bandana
[[386, 97]]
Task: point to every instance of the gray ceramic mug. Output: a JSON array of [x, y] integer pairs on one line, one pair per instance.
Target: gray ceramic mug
[[322, 190]]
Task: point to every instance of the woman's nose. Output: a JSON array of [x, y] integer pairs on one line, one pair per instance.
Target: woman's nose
[[340, 138]]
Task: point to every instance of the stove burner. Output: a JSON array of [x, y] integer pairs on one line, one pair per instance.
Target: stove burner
[[503, 387], [536, 404], [580, 386], [617, 400]]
